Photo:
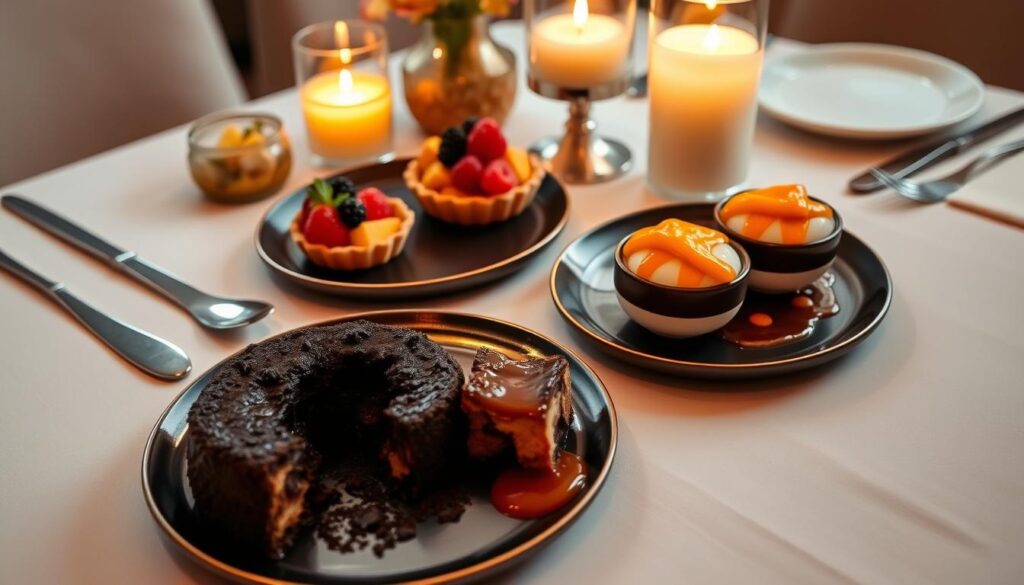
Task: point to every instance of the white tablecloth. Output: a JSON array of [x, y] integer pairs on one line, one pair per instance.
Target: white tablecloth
[[902, 463]]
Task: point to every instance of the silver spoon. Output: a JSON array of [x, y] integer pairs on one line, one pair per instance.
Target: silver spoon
[[940, 189], [209, 310], [157, 357]]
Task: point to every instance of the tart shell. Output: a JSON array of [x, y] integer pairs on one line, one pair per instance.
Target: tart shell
[[359, 257], [475, 209]]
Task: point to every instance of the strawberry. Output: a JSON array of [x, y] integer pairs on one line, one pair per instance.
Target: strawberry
[[498, 177], [376, 203], [466, 174], [486, 141], [323, 226]]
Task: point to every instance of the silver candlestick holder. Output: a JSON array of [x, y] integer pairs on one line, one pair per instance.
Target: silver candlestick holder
[[580, 51], [581, 156]]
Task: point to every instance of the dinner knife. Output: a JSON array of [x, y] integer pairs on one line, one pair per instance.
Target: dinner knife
[[209, 310], [931, 153], [154, 356]]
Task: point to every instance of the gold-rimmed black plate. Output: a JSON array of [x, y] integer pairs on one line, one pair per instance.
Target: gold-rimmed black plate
[[582, 290], [438, 257], [481, 543]]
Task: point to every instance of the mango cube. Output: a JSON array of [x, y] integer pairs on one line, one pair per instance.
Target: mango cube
[[230, 137], [374, 231], [519, 160], [436, 176], [428, 154]]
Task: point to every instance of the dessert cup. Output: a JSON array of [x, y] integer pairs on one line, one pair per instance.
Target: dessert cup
[[782, 268], [679, 312]]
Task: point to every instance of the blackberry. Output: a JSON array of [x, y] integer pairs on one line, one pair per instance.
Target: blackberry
[[453, 146], [352, 212], [467, 126], [343, 185]]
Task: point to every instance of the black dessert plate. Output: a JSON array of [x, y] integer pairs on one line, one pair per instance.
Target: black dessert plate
[[582, 289], [438, 257], [481, 543]]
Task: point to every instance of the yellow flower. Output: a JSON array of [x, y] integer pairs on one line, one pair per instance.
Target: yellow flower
[[496, 7]]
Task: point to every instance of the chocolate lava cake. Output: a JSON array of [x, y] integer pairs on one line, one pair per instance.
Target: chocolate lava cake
[[260, 430]]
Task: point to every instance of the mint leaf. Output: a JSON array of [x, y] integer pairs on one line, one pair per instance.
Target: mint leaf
[[341, 197], [320, 192]]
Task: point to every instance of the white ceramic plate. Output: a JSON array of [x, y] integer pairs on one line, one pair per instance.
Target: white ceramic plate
[[861, 90]]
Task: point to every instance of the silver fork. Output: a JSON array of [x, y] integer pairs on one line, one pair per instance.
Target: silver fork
[[940, 189]]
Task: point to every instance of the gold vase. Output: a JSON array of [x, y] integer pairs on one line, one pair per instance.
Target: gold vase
[[457, 71]]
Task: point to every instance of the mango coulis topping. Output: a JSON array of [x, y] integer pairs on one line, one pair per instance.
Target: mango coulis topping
[[690, 244], [787, 204]]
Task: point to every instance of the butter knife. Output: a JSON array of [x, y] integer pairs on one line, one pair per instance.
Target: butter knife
[[933, 152], [149, 353], [208, 310]]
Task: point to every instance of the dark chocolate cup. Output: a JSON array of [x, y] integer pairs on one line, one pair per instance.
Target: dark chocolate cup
[[679, 311], [785, 267]]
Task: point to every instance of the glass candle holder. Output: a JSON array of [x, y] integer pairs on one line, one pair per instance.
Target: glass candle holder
[[341, 72], [239, 157], [580, 51], [704, 65]]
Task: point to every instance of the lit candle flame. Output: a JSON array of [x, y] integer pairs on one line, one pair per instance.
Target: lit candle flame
[[711, 4], [345, 82], [341, 40], [712, 39], [580, 12]]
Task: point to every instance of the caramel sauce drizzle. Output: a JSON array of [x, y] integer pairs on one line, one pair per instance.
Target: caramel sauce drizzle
[[690, 244], [789, 204]]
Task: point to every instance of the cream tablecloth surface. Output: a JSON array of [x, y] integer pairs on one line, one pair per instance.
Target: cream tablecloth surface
[[902, 463]]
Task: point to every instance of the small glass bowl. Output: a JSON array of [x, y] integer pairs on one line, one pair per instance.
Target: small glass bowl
[[239, 157]]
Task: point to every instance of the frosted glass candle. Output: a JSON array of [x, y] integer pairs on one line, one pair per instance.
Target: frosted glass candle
[[703, 94], [581, 55], [348, 115]]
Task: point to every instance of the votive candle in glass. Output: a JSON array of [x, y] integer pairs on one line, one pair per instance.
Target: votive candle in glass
[[341, 72], [705, 63], [574, 46]]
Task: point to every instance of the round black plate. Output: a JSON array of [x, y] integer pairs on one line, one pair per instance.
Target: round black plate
[[438, 258], [482, 542], [581, 286]]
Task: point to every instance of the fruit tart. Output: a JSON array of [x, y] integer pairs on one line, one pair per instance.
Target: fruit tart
[[470, 176], [345, 229]]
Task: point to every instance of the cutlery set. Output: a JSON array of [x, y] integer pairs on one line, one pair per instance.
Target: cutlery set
[[151, 354]]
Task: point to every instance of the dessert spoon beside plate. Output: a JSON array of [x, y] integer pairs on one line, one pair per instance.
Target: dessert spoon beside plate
[[211, 311]]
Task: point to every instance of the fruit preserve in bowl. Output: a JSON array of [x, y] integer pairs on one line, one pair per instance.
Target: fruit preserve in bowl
[[239, 157]]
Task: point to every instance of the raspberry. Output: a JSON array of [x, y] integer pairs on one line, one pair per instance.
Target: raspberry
[[324, 227], [453, 146], [352, 212], [498, 177], [486, 141], [376, 203], [466, 174]]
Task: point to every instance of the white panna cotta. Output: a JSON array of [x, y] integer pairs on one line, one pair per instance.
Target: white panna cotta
[[668, 273], [680, 279], [818, 228]]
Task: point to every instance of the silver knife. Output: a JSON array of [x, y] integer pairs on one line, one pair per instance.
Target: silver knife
[[149, 353], [209, 310], [931, 153]]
